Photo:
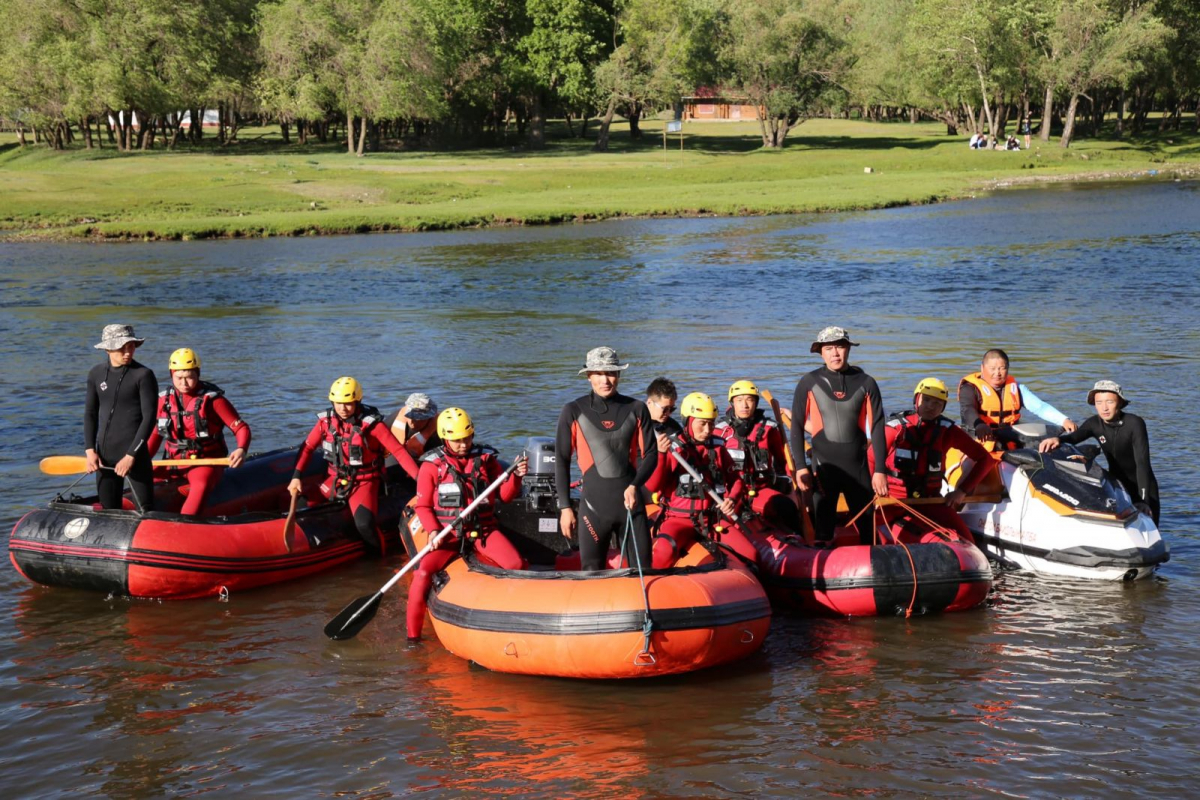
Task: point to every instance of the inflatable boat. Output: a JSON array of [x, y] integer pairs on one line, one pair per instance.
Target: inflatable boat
[[930, 572], [237, 545], [1060, 513], [616, 623]]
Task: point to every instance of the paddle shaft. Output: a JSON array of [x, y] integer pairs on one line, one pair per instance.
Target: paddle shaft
[[677, 446], [433, 543], [787, 446], [73, 465]]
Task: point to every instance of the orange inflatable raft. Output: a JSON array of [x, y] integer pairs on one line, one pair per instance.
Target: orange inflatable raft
[[608, 624]]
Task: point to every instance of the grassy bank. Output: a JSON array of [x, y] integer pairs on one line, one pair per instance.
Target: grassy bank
[[263, 188]]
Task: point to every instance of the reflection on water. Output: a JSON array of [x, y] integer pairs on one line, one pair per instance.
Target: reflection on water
[[1054, 689]]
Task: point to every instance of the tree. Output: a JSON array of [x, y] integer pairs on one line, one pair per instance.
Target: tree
[[788, 58], [1096, 42]]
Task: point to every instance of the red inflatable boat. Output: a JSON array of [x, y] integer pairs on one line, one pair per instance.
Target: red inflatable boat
[[73, 543]]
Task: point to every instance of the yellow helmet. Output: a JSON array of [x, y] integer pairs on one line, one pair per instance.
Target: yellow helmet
[[742, 387], [454, 423], [932, 387], [184, 358], [345, 390], [700, 405]]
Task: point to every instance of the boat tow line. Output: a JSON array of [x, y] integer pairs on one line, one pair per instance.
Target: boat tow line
[[644, 658]]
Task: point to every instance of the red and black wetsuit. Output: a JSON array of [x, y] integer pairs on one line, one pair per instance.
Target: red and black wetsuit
[[118, 417], [355, 450], [843, 414], [687, 509], [756, 447], [916, 467], [446, 484], [613, 441], [192, 426], [1126, 447]]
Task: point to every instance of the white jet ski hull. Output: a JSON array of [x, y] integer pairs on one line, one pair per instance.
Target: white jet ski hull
[[1023, 531]]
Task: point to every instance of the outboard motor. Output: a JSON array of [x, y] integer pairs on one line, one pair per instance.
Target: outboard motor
[[539, 482], [531, 521]]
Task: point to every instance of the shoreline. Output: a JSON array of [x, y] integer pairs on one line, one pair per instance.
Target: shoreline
[[88, 235], [107, 197]]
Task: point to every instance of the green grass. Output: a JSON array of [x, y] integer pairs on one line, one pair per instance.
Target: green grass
[[261, 187]]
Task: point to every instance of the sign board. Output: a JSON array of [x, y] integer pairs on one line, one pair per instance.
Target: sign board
[[674, 126]]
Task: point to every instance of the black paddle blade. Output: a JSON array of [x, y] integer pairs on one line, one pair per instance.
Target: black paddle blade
[[353, 618]]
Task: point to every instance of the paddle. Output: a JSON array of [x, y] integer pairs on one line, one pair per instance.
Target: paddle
[[677, 446], [289, 524], [73, 465], [805, 519], [354, 617]]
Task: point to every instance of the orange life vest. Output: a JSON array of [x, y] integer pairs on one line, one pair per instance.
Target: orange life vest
[[420, 441], [996, 408]]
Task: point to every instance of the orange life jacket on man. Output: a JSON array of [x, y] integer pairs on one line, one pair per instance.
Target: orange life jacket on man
[[421, 441], [996, 408]]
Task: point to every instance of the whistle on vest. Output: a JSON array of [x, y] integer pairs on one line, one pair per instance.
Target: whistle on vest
[[473, 535]]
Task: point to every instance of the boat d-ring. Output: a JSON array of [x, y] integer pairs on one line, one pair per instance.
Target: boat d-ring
[[747, 636], [511, 649], [223, 595], [644, 659]]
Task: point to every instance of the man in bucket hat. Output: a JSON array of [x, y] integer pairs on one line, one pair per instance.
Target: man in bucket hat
[[415, 425], [612, 438], [119, 415], [840, 408], [1123, 439]]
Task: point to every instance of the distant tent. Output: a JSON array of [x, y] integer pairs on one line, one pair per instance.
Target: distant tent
[[208, 119]]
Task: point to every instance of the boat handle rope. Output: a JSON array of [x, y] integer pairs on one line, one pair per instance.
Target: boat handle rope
[[908, 612], [644, 658], [60, 497]]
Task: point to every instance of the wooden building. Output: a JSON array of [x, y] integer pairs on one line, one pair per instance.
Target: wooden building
[[711, 104]]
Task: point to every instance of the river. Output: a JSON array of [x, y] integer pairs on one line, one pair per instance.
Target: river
[[1053, 689]]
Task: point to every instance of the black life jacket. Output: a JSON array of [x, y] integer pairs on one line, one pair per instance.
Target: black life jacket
[[750, 453]]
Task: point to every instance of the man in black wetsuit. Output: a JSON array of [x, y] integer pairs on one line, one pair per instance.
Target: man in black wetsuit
[[840, 408], [612, 437], [119, 413], [1124, 441]]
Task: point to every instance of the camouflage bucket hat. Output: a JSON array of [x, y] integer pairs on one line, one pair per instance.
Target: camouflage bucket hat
[[117, 336], [420, 406], [1108, 386], [603, 359], [831, 335]]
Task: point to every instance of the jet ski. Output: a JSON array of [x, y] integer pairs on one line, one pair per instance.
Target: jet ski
[[1059, 513]]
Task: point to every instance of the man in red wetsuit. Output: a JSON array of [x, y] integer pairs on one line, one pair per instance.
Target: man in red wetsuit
[[192, 417], [756, 447], [840, 408], [688, 511], [917, 443], [450, 479], [355, 444]]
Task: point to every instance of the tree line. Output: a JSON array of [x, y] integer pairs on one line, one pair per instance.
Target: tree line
[[137, 74]]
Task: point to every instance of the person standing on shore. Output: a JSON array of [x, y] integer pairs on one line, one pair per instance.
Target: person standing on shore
[[612, 439], [840, 408], [1123, 439], [118, 418], [191, 418]]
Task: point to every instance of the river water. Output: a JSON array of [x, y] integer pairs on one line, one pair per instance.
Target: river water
[[1053, 689]]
